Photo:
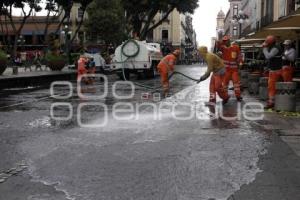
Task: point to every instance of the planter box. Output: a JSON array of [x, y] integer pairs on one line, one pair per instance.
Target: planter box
[[56, 65]]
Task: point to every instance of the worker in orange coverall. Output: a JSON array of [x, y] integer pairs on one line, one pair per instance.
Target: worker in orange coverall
[[82, 68], [273, 54], [215, 66], [165, 66], [231, 55]]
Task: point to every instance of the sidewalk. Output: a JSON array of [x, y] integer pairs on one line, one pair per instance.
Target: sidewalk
[[286, 125], [22, 73], [34, 78]]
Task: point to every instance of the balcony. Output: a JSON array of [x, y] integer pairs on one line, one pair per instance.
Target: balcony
[[266, 20]]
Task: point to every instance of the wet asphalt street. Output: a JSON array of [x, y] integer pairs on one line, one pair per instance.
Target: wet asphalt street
[[153, 154]]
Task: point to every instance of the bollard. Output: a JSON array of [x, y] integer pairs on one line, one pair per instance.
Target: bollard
[[15, 70], [285, 99], [244, 78], [263, 88], [253, 83]]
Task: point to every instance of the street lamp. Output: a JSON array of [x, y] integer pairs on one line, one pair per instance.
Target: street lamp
[[67, 32], [240, 18], [22, 60], [21, 42]]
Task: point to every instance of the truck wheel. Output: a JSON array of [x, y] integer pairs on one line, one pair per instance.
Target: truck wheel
[[150, 73], [126, 74]]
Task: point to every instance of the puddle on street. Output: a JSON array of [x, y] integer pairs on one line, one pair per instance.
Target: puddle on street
[[145, 158]]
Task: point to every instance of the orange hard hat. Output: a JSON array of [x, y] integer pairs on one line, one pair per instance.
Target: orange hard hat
[[271, 39], [226, 38], [176, 52]]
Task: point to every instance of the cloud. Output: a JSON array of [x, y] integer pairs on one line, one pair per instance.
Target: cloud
[[205, 19]]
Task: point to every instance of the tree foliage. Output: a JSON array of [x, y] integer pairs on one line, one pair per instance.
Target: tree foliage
[[84, 5], [7, 7], [140, 14], [106, 21]]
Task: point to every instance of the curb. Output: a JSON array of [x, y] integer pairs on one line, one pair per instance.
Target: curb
[[35, 80]]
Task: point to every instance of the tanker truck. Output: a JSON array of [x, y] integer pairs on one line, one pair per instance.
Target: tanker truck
[[136, 57]]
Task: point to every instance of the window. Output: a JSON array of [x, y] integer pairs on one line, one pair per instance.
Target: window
[[235, 31], [150, 36], [80, 13], [282, 8], [235, 10], [163, 14], [291, 6], [165, 35]]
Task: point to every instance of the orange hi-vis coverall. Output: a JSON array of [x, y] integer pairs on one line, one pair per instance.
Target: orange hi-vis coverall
[[81, 68], [280, 67], [165, 66], [231, 57], [215, 66]]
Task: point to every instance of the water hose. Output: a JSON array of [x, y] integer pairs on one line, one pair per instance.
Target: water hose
[[133, 55]]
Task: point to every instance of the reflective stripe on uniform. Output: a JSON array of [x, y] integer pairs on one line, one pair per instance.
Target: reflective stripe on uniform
[[229, 63], [220, 72], [231, 66]]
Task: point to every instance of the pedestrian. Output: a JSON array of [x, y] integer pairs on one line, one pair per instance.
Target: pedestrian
[[273, 54], [91, 66], [231, 55], [289, 58], [18, 61], [165, 66], [217, 68], [37, 61]]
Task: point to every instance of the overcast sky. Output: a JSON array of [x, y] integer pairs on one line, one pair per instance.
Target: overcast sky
[[205, 19]]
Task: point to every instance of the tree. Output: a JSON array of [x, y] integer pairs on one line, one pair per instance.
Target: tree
[[84, 5], [106, 21], [53, 13], [140, 13], [3, 22], [66, 7], [7, 10]]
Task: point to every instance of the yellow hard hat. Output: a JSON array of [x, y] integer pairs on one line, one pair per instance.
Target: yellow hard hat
[[203, 50]]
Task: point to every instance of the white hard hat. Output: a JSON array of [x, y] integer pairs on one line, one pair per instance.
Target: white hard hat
[[287, 42]]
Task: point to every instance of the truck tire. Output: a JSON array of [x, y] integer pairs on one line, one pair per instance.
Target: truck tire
[[126, 74], [150, 73]]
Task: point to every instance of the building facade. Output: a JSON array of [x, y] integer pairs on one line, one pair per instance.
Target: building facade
[[220, 29], [259, 14], [76, 16], [70, 25], [32, 34], [176, 32], [220, 24], [230, 28]]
